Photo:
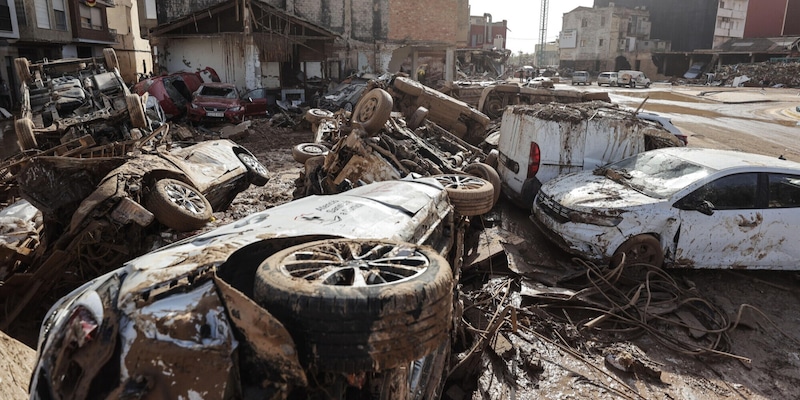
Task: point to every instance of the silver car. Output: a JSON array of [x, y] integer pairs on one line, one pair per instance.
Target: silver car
[[607, 78]]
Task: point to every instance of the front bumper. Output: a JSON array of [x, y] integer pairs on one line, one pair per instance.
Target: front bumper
[[584, 240]]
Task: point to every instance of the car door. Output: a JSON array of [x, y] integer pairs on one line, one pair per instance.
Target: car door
[[255, 102], [778, 246], [729, 236]]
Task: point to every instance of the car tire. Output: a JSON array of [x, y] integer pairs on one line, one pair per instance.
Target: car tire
[[136, 110], [304, 151], [110, 56], [640, 249], [492, 158], [25, 135], [23, 69], [349, 310], [178, 205], [417, 118], [468, 194], [317, 115], [633, 85], [409, 86], [257, 173], [487, 173], [373, 110], [494, 107]]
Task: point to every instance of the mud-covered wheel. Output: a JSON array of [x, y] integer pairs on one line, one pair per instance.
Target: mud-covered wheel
[[25, 136], [257, 173], [468, 194], [494, 107], [373, 110], [304, 151], [640, 249], [136, 110], [23, 69], [417, 118], [110, 56], [359, 305], [488, 173], [178, 205], [317, 115], [409, 86]]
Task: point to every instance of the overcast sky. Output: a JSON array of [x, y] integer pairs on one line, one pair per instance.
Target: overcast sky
[[523, 18]]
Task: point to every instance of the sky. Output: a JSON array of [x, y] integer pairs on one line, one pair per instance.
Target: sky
[[523, 19]]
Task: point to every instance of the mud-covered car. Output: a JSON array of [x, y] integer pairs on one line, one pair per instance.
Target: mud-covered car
[[215, 101], [335, 296], [174, 91], [99, 212], [344, 96], [69, 98], [494, 99]]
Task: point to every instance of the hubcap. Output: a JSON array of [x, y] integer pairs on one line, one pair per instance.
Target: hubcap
[[185, 198]]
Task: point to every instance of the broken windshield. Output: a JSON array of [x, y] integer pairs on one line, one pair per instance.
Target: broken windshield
[[655, 174]]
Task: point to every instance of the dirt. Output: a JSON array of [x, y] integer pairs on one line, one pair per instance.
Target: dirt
[[764, 360]]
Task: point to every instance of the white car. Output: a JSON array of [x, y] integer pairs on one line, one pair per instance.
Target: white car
[[683, 207]]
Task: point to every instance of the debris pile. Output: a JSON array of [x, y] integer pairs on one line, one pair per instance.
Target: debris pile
[[769, 74]]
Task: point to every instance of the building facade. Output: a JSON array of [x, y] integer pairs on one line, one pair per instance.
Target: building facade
[[485, 34], [730, 23]]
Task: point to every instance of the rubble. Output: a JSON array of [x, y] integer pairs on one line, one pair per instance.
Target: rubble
[[764, 74]]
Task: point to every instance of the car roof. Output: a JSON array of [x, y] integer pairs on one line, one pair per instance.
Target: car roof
[[219, 84], [727, 159]]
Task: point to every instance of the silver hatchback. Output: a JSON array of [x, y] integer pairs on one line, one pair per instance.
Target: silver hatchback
[[607, 78]]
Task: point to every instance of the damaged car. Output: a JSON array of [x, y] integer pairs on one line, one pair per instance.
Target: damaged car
[[69, 98], [494, 99], [215, 101], [174, 91], [680, 207], [309, 299], [99, 212]]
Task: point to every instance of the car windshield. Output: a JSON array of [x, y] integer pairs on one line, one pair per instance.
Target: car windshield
[[655, 174], [215, 91]]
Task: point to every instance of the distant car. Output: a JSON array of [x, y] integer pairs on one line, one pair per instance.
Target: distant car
[[540, 82], [222, 102], [345, 96], [327, 294], [581, 78], [694, 71], [607, 78], [681, 207], [666, 123], [174, 91], [632, 79]]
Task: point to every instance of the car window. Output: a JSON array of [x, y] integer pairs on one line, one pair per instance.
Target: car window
[[226, 92], [784, 191], [256, 94], [656, 174], [732, 192]]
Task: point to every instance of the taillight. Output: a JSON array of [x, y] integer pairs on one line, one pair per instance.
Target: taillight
[[534, 157]]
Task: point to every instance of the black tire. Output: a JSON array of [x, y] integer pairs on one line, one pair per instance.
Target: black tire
[[640, 249], [633, 85], [492, 158], [487, 173], [136, 110], [111, 58], [417, 118], [304, 151], [359, 305], [409, 86], [494, 107], [257, 173], [23, 69], [373, 110], [317, 115], [178, 205], [25, 135], [468, 194]]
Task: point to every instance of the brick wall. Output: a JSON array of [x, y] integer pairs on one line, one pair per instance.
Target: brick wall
[[435, 20]]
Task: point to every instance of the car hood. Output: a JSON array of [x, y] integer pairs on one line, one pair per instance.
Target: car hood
[[586, 190], [214, 101], [208, 162]]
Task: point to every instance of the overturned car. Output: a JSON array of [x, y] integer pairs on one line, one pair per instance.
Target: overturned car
[[310, 298]]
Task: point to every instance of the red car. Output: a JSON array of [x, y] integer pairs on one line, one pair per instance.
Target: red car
[[174, 91], [221, 101]]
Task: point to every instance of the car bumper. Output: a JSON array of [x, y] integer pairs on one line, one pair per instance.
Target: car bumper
[[588, 241], [199, 114]]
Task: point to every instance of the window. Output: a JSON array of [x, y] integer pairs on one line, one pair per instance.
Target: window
[[584, 23], [602, 21], [42, 14], [60, 14], [5, 18], [20, 6], [784, 191], [732, 192], [90, 18], [600, 43]]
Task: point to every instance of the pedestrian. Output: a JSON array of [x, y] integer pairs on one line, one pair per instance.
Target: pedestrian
[[5, 95]]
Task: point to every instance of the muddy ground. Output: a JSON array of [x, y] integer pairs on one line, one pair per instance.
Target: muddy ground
[[534, 352]]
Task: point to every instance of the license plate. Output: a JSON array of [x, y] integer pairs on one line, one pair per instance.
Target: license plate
[[215, 114]]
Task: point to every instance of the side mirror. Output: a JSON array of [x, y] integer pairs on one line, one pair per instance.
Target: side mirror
[[250, 99], [705, 207]]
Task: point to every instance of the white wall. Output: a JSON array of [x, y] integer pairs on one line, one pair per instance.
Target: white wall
[[193, 54]]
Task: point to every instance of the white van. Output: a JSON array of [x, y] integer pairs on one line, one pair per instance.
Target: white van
[[632, 79], [541, 141]]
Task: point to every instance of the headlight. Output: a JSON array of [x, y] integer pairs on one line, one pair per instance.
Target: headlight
[[235, 109], [594, 219]]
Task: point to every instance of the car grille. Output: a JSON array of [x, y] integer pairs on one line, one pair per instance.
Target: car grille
[[213, 109], [552, 208]]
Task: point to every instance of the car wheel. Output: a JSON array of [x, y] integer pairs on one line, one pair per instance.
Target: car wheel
[[304, 151], [409, 86], [136, 110], [257, 174], [359, 305], [373, 110], [25, 135], [111, 59], [647, 85], [492, 158], [487, 173], [417, 118], [494, 107], [23, 69], [633, 85], [468, 194], [640, 249], [316, 115], [178, 205]]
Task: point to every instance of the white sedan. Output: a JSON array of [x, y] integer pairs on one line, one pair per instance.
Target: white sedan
[[683, 207]]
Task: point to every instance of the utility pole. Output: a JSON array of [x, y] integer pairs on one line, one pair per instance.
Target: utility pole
[[542, 34]]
